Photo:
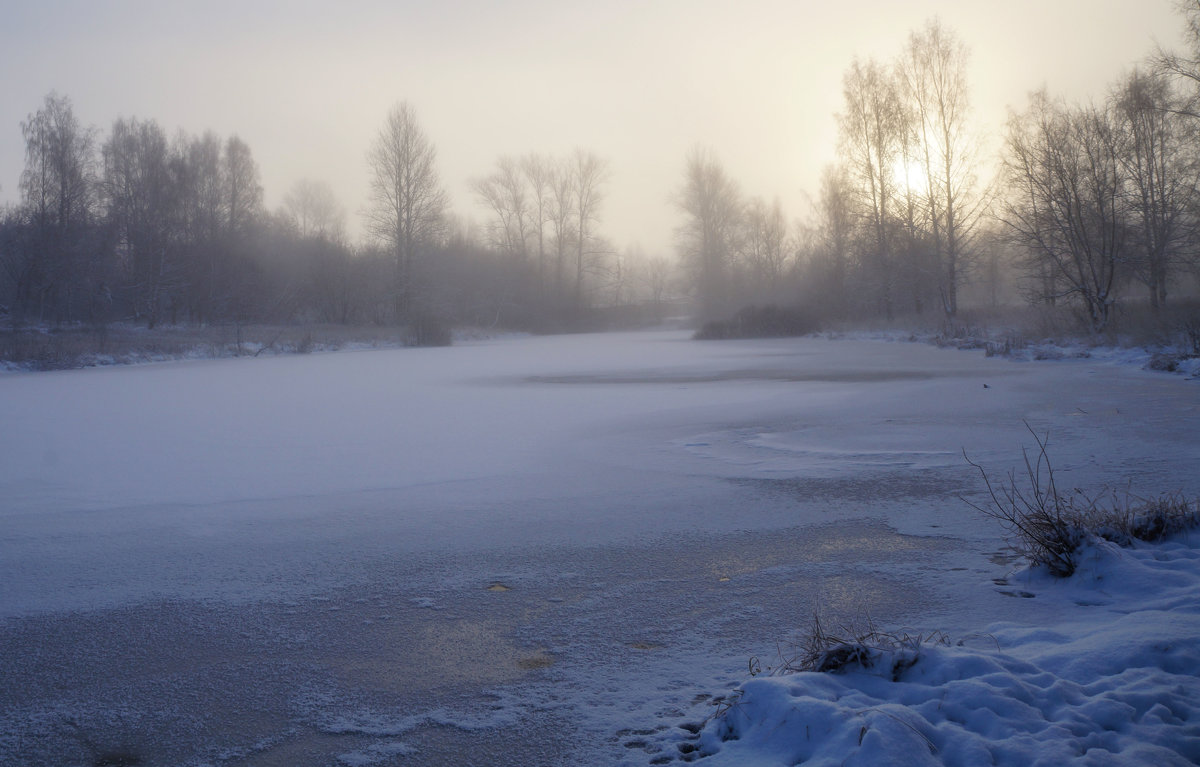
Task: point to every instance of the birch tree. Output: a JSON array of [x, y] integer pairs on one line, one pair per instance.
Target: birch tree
[[407, 204]]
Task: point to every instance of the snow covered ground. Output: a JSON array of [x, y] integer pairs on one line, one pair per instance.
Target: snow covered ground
[[560, 550], [1112, 681]]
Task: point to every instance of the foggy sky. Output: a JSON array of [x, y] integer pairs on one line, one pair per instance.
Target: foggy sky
[[307, 84]]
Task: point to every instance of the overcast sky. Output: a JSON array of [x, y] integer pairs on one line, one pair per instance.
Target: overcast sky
[[307, 84]]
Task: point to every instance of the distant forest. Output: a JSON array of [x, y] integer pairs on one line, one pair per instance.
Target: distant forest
[[1092, 204]]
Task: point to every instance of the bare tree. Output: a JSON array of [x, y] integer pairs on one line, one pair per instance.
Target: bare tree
[[142, 198], [243, 191], [872, 126], [1066, 203], [538, 173], [503, 192], [407, 203], [712, 208], [562, 222], [315, 216], [1185, 65], [58, 191], [915, 268], [243, 196], [621, 274], [656, 276], [315, 210], [1157, 155], [832, 243], [588, 174], [199, 174], [764, 246], [933, 73]]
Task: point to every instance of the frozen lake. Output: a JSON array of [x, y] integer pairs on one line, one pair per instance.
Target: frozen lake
[[525, 551]]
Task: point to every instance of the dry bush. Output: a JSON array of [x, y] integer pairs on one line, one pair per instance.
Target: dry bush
[[837, 648], [1128, 518], [1049, 526], [1046, 524]]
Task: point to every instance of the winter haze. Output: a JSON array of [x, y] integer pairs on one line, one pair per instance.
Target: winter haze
[[607, 384], [307, 84]]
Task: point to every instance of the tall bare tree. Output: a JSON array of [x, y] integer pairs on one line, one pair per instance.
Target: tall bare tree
[[199, 174], [504, 193], [142, 196], [933, 74], [538, 173], [561, 217], [1158, 156], [407, 204], [712, 208], [763, 244], [872, 128], [588, 175], [242, 206], [1066, 203], [833, 242], [58, 191], [243, 190]]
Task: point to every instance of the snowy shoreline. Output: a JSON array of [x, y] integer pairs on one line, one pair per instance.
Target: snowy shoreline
[[1114, 682]]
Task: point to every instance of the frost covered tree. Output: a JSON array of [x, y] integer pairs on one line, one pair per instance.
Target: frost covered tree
[[407, 204]]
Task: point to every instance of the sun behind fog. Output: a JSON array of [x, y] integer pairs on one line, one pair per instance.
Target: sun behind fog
[[909, 174]]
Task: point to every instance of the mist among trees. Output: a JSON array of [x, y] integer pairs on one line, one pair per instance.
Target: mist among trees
[[1089, 206]]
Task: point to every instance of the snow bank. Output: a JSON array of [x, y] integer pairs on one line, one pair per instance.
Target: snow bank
[[1168, 358], [1115, 682]]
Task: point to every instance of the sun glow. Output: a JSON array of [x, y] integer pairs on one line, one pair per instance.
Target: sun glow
[[909, 175]]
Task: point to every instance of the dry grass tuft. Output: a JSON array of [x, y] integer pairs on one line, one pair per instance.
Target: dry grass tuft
[[1049, 526], [837, 648]]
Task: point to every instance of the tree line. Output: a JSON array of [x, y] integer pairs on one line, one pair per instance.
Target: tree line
[[141, 226], [1090, 204]]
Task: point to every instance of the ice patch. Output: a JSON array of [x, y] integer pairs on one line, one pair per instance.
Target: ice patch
[[376, 754], [801, 452]]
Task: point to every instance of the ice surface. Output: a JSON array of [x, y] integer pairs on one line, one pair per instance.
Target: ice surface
[[288, 560]]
